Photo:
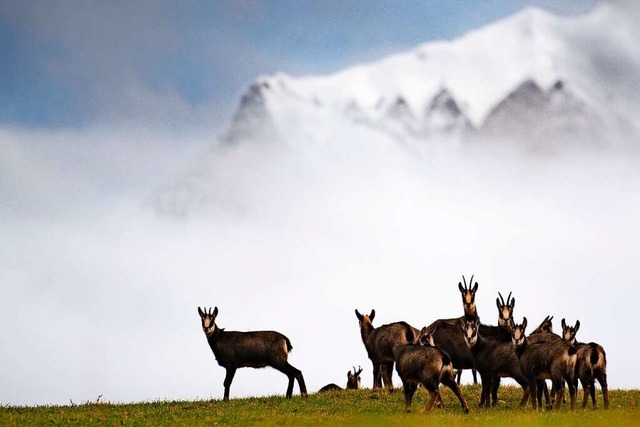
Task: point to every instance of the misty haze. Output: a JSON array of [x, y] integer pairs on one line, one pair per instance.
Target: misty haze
[[373, 185]]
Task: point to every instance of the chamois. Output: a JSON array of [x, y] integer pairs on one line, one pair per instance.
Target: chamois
[[379, 343], [353, 382], [544, 333], [545, 327], [256, 349], [421, 363], [555, 360], [591, 365], [446, 332], [493, 359]]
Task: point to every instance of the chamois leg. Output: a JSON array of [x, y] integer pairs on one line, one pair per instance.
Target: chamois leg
[[573, 391], [534, 390], [458, 376], [592, 392], [293, 374], [547, 397], [449, 382], [484, 393], [586, 391], [227, 382], [602, 379], [475, 376], [409, 390], [541, 386], [301, 384], [558, 386], [494, 390], [386, 370], [525, 391], [377, 382], [439, 402], [433, 395]]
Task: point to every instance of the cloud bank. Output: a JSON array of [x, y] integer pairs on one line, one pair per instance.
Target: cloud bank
[[102, 292]]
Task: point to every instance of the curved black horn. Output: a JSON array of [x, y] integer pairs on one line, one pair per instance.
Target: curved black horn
[[471, 281], [508, 298], [502, 299], [465, 282]]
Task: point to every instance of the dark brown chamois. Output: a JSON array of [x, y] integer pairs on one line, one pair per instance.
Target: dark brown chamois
[[442, 330], [554, 360], [379, 343], [493, 359], [544, 333], [591, 365], [448, 333], [256, 349], [353, 382], [421, 363]]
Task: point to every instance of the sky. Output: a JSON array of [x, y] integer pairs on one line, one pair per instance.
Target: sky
[[103, 103], [184, 64]]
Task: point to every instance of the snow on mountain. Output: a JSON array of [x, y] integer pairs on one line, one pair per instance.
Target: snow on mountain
[[532, 80], [454, 86]]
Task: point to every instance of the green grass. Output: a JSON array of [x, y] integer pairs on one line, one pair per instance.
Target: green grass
[[341, 408]]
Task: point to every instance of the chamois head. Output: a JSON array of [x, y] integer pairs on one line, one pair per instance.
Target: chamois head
[[366, 319], [569, 332], [470, 330], [517, 332], [545, 326], [505, 310], [468, 295], [353, 379], [208, 320], [426, 339]]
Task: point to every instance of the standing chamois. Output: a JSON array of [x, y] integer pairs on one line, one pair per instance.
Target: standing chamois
[[446, 332], [257, 349], [353, 382], [421, 363], [555, 360], [379, 343], [544, 333], [591, 365], [493, 359]]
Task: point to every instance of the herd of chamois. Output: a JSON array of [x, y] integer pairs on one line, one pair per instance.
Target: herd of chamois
[[433, 355]]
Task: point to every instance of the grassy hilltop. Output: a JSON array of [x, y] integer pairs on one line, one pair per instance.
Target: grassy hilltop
[[342, 408]]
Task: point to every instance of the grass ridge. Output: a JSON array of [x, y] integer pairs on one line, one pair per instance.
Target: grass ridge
[[349, 407]]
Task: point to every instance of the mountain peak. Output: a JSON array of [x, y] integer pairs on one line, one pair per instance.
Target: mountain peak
[[463, 83]]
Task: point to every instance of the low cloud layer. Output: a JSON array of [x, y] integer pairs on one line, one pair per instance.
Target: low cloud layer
[[101, 292]]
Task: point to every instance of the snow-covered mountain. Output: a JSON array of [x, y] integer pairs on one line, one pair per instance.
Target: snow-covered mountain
[[532, 75], [532, 80]]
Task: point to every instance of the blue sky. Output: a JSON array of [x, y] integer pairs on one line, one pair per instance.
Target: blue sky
[[67, 64]]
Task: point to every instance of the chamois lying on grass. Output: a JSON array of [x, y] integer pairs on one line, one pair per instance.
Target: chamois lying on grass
[[259, 349], [353, 382]]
